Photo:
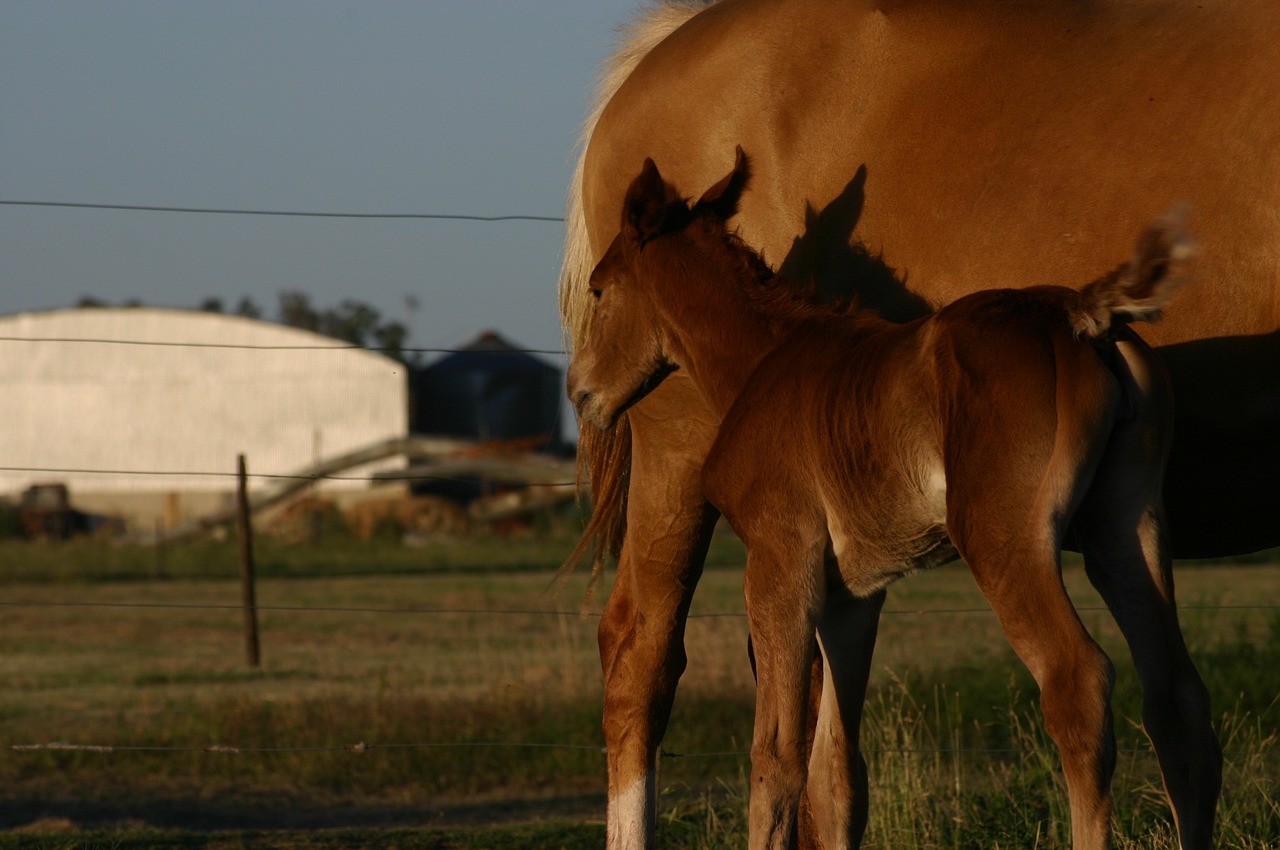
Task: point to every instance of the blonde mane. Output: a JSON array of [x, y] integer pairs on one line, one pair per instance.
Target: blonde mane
[[604, 457], [635, 40]]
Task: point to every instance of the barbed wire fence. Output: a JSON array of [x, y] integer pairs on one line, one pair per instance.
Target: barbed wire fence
[[337, 346], [46, 470], [358, 747]]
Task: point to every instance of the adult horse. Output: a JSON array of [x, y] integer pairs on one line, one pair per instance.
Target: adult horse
[[1019, 140]]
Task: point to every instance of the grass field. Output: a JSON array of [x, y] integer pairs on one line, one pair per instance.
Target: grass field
[[404, 702]]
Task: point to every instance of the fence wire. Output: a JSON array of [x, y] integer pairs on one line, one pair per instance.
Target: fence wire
[[359, 747], [266, 476], [367, 747], [229, 346], [507, 612]]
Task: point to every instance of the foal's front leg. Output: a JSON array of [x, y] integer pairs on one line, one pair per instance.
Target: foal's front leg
[[784, 599]]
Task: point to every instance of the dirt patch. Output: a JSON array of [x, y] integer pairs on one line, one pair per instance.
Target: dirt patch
[[45, 826], [29, 816]]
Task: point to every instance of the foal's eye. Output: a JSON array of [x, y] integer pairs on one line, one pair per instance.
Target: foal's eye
[[595, 292]]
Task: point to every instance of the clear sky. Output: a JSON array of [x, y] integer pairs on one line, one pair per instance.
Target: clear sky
[[421, 106]]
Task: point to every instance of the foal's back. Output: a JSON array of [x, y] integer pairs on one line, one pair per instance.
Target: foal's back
[[867, 431]]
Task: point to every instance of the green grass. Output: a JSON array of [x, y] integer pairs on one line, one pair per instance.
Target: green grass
[[945, 686], [87, 561]]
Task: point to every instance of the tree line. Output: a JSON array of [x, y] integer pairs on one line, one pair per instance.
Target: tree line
[[351, 321]]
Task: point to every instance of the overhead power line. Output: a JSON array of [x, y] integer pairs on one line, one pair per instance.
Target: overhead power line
[[282, 213]]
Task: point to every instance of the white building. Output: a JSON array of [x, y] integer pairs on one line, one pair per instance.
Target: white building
[[142, 411]]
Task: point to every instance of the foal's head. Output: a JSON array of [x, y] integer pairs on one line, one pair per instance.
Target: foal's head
[[667, 262]]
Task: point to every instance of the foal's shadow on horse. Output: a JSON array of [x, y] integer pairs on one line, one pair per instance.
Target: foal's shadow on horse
[[1214, 461], [841, 267]]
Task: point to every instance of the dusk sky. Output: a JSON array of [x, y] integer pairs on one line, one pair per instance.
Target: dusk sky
[[468, 107]]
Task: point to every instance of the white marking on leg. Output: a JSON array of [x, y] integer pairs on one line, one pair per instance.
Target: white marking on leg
[[629, 815]]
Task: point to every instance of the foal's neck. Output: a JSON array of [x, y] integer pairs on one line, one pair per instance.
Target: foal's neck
[[733, 327]]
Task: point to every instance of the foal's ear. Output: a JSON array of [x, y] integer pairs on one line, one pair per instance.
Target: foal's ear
[[652, 206], [721, 200]]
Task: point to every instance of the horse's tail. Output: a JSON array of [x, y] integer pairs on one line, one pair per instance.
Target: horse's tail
[[604, 457], [1138, 290]]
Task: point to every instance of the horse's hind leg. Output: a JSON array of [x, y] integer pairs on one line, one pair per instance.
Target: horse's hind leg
[[1130, 568], [837, 771], [642, 629], [1123, 535]]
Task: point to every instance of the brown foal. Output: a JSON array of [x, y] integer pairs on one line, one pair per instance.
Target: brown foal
[[853, 451]]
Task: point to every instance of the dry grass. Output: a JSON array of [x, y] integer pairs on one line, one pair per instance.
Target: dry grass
[[175, 677]]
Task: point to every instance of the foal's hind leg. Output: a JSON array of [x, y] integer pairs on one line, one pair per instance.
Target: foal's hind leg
[[837, 771], [1005, 525], [1021, 579], [1123, 534]]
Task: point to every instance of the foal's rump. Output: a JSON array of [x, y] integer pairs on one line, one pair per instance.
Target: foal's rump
[[1024, 406], [1032, 383]]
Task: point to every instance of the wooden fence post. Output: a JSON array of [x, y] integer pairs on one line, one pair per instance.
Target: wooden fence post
[[245, 531], [160, 571]]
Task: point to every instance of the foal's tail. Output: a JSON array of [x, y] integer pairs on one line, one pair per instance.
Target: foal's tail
[[1138, 290]]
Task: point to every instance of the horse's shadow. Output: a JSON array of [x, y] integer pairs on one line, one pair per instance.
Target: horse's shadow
[[841, 267]]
